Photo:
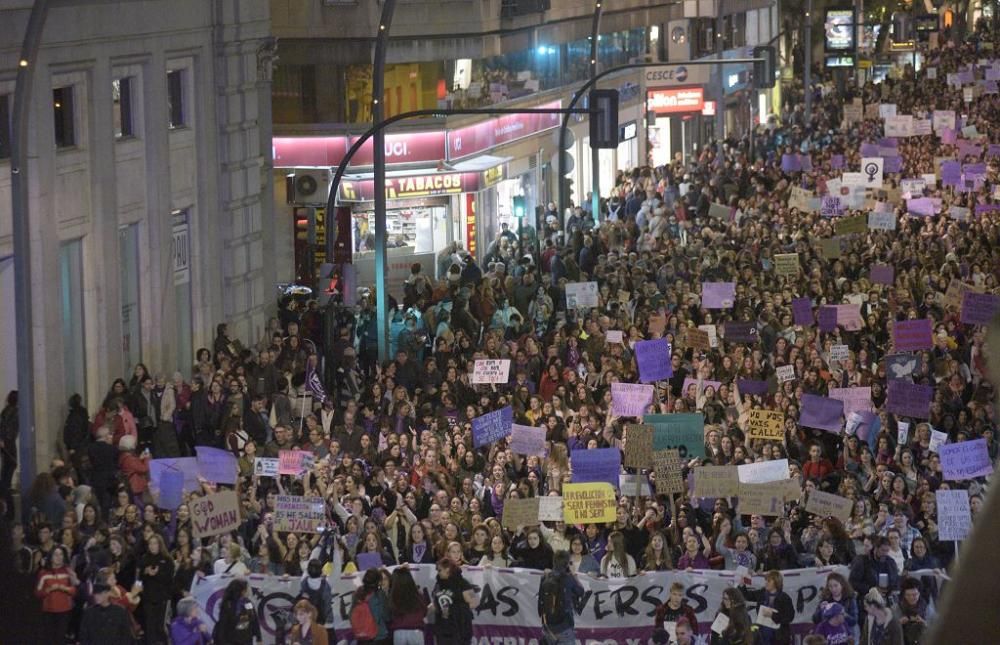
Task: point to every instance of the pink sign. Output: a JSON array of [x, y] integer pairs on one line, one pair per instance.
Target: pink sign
[[412, 147], [476, 138], [292, 152]]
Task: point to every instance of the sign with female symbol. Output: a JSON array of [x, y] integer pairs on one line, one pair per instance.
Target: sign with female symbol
[[872, 169]]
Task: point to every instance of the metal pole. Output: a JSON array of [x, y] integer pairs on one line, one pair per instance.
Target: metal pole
[[595, 154], [807, 75], [20, 203], [378, 109], [720, 107]]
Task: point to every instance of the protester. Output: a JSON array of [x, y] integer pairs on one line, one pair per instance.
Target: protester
[[558, 594]]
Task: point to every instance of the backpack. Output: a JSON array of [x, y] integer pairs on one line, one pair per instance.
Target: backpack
[[553, 599], [363, 621]]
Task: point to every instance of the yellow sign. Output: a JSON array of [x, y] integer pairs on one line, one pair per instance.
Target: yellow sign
[[766, 424], [786, 264], [492, 176], [864, 63], [592, 503]]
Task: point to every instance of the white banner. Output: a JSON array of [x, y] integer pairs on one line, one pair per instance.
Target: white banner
[[491, 370], [612, 611]]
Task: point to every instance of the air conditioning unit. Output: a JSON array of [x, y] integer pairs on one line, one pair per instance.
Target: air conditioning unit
[[311, 186]]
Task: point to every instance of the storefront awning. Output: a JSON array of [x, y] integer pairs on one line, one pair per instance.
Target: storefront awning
[[469, 176]]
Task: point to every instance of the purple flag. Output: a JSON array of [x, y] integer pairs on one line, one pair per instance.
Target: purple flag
[[912, 335], [802, 311], [820, 412], [979, 308], [653, 359], [827, 317], [748, 386], [882, 274], [909, 400]]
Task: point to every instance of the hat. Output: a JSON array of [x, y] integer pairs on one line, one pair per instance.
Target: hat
[[832, 610]]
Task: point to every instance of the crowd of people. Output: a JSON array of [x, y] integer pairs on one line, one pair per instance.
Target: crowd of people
[[394, 457]]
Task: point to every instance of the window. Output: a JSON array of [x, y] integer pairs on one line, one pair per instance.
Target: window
[[175, 98], [121, 95], [62, 106], [5, 126]]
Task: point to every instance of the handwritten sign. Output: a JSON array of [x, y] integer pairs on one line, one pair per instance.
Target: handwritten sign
[[492, 426], [938, 440], [766, 499], [827, 504], [214, 514], [614, 337], [785, 373], [850, 225], [716, 481], [786, 264], [668, 469], [592, 503], [550, 508], [527, 440], [294, 462], [685, 432], [638, 445], [265, 466], [840, 353], [762, 472], [955, 294], [912, 335], [965, 460], [854, 398], [581, 295], [520, 512], [954, 515], [881, 221], [909, 399], [698, 339], [766, 424], [653, 359], [299, 514], [979, 308], [488, 370], [718, 295]]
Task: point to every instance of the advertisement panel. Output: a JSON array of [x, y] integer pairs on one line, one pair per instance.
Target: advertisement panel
[[672, 101], [839, 29]]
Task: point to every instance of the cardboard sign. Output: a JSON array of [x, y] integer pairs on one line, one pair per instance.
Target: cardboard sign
[[527, 440], [299, 514], [849, 225], [215, 514], [713, 335], [766, 424], [550, 508], [596, 465], [614, 337], [827, 504], [492, 426], [762, 472], [965, 460], [830, 247], [685, 432], [668, 468], [698, 339], [582, 295], [955, 294], [912, 335], [786, 264], [638, 445], [265, 466], [762, 499], [653, 360], [954, 515], [716, 481], [592, 503], [489, 370], [785, 373], [520, 512]]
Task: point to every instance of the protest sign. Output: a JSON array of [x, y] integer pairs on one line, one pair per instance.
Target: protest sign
[[839, 352], [668, 467], [690, 383], [979, 308], [653, 359], [853, 113], [657, 324], [882, 221], [614, 337], [831, 206], [902, 366], [954, 515], [849, 317], [713, 335], [849, 225], [820, 412], [909, 399], [518, 513], [751, 386], [718, 211], [368, 561], [765, 424], [955, 293], [550, 508], [959, 213], [785, 373], [685, 432], [802, 311], [826, 318], [596, 465], [902, 432], [265, 466], [638, 445], [171, 490], [214, 514], [299, 514], [740, 332], [527, 440], [698, 339], [853, 398], [938, 440], [882, 274], [491, 427], [943, 119], [872, 168], [216, 465], [295, 462], [827, 505], [716, 481], [592, 503], [786, 263], [830, 247], [188, 466], [634, 485], [912, 335], [762, 472], [489, 370], [581, 295], [767, 499], [718, 295], [965, 460]]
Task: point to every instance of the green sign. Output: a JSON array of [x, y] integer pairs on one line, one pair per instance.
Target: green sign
[[682, 432]]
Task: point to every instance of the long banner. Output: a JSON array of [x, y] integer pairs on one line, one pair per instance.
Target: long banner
[[612, 611]]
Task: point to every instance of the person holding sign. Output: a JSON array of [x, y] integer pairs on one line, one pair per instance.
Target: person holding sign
[[774, 609]]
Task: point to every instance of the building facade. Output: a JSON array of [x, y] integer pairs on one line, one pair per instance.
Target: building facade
[[150, 190]]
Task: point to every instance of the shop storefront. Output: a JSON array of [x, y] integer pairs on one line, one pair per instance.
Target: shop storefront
[[675, 96]]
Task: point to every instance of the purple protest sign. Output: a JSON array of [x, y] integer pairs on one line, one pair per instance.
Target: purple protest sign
[[630, 399], [836, 162], [740, 332], [892, 164], [527, 440], [948, 135], [215, 465], [951, 173], [491, 427], [912, 335], [993, 151], [802, 312], [790, 163], [923, 206], [909, 400], [979, 308], [368, 561], [653, 359], [186, 465], [827, 317], [596, 465], [972, 170], [882, 274], [869, 149], [171, 490], [806, 162], [718, 295], [888, 142], [965, 460], [820, 412], [748, 386]]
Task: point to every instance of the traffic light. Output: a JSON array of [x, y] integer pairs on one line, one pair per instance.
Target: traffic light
[[763, 70], [604, 124], [327, 284], [519, 209]]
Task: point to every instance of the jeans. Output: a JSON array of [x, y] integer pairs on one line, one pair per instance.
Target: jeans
[[408, 637], [565, 637]]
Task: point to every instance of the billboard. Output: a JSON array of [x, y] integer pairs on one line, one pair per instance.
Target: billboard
[[839, 29], [672, 101]]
